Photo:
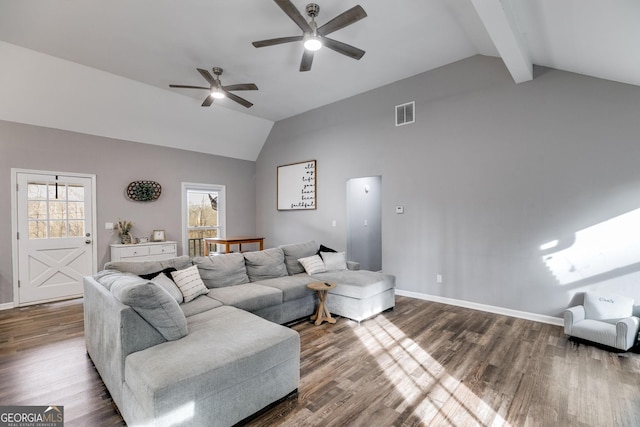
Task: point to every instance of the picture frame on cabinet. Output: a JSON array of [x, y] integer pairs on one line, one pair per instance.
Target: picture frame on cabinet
[[158, 236]]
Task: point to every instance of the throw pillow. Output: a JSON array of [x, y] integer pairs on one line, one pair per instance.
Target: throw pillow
[[153, 304], [334, 260], [323, 248], [169, 285], [166, 271], [190, 283], [607, 307], [313, 264]]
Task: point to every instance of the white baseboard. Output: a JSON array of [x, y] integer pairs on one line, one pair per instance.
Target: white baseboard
[[6, 306], [483, 307]]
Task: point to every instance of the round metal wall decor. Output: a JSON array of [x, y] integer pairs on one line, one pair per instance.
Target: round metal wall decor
[[144, 191]]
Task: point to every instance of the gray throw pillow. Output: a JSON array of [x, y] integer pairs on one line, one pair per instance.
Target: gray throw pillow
[[169, 285], [219, 271], [266, 264], [153, 303], [293, 252]]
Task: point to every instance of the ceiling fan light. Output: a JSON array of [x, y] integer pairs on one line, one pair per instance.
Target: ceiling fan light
[[312, 43], [217, 94]]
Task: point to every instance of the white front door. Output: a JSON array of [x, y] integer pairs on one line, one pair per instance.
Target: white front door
[[55, 230]]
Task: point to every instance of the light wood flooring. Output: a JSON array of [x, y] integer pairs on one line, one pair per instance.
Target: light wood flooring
[[422, 364]]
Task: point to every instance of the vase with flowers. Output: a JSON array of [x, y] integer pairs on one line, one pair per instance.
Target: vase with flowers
[[124, 229]]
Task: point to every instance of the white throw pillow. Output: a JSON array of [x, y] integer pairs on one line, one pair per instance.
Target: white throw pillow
[[334, 260], [313, 264], [607, 307], [169, 285], [190, 283]]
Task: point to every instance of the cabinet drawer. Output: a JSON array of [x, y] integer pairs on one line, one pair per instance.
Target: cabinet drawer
[[134, 251], [162, 250]]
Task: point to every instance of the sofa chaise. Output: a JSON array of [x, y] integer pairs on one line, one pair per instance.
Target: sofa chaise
[[217, 352]]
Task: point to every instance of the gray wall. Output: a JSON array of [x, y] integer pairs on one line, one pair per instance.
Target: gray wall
[[489, 172], [364, 242], [116, 163]]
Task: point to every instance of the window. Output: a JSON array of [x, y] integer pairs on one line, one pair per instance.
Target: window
[[203, 207]]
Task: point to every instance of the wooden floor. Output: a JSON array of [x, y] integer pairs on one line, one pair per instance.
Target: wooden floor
[[422, 364]]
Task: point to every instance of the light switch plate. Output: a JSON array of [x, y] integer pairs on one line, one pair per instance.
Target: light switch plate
[[399, 209]]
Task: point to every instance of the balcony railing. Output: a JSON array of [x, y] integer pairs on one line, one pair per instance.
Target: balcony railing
[[196, 247]]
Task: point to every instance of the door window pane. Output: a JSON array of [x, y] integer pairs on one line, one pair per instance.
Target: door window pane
[[37, 210], [55, 210], [76, 228], [75, 210], [203, 220], [37, 191], [57, 229], [37, 230], [75, 193]]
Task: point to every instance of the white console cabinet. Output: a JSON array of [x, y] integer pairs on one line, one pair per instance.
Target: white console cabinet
[[151, 251]]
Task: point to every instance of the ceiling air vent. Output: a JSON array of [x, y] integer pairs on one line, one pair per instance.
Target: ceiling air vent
[[404, 113]]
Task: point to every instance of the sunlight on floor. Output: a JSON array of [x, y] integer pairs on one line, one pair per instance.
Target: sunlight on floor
[[436, 396], [179, 416]]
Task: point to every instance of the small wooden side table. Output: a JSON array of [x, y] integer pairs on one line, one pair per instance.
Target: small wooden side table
[[322, 313]]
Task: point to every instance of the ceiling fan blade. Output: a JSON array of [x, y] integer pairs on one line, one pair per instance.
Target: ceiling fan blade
[[295, 15], [352, 15], [343, 48], [307, 60], [241, 86], [280, 40], [208, 101], [239, 100], [190, 87], [208, 77]]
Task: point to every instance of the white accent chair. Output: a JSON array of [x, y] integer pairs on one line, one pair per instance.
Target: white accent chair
[[605, 319]]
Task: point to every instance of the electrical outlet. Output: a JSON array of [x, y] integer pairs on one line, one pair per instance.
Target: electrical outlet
[[438, 278]]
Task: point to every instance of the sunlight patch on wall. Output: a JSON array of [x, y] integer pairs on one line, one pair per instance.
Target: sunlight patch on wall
[[596, 250], [438, 398]]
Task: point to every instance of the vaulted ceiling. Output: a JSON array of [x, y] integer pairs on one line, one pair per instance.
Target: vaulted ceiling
[[161, 42]]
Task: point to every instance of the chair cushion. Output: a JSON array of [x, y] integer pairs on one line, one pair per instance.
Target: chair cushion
[[248, 296], [607, 307], [222, 270], [149, 267], [596, 331], [295, 251], [266, 264]]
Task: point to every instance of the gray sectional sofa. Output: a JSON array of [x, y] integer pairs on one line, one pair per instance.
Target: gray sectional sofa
[[223, 355]]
